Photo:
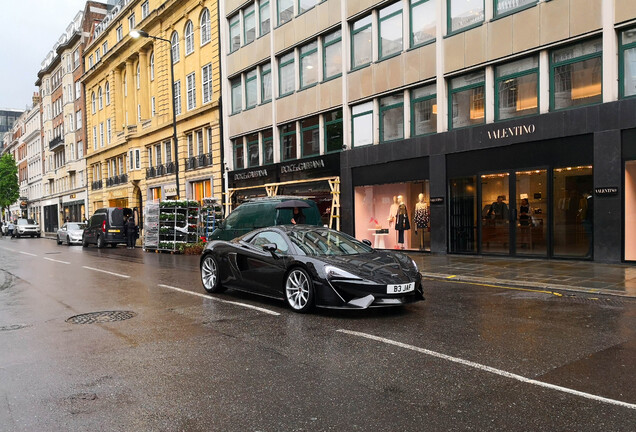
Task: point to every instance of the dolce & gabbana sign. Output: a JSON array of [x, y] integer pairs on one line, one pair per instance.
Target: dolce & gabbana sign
[[512, 131], [302, 166], [251, 174]]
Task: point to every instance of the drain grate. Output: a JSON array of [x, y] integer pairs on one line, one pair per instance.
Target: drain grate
[[12, 327], [101, 317]]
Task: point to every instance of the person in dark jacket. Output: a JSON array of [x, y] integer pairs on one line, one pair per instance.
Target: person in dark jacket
[[298, 218], [131, 232]]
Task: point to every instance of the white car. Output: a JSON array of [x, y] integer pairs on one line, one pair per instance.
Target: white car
[[71, 232], [27, 227]]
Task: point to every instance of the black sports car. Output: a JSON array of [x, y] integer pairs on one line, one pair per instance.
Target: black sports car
[[311, 266]]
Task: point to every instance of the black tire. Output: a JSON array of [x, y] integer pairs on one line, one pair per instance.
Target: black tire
[[68, 241], [58, 240], [100, 242], [299, 290], [38, 236], [210, 274], [84, 241], [113, 245]]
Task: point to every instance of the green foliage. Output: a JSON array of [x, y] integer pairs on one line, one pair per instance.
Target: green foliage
[[9, 187]]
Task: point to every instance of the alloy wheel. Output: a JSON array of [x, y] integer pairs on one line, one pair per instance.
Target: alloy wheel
[[298, 290], [210, 274]]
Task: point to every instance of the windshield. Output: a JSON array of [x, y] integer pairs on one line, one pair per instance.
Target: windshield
[[76, 226], [26, 222], [327, 242]]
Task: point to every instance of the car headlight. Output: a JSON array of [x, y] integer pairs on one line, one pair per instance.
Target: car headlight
[[337, 273]]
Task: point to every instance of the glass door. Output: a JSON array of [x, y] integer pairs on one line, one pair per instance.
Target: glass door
[[531, 224], [495, 213]]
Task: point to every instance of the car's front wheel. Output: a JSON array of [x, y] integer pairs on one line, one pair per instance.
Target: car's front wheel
[[58, 240], [68, 241], [299, 290], [210, 275]]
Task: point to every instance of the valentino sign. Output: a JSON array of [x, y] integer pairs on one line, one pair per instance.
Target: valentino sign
[[513, 131]]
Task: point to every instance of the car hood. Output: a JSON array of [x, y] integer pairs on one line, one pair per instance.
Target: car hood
[[75, 232], [377, 266]]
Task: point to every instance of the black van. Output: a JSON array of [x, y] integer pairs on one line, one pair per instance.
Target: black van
[[106, 226], [262, 212]]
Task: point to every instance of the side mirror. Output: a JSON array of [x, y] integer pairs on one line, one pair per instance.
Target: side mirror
[[366, 242], [271, 248]]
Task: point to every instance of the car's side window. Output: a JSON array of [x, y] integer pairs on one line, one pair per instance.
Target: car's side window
[[266, 237]]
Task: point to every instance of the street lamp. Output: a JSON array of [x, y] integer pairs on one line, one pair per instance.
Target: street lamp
[[140, 33]]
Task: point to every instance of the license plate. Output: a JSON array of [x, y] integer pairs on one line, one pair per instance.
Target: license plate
[[400, 288], [114, 231]]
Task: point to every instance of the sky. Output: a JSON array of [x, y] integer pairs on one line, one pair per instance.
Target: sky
[[28, 30]]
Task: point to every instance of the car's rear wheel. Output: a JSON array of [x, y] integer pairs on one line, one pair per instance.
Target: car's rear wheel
[[84, 241], [210, 275], [58, 240], [100, 242], [299, 290]]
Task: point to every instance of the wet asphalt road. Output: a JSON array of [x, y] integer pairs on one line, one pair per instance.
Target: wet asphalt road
[[468, 358]]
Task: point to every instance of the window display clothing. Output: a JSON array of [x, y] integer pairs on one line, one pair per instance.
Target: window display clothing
[[421, 217], [524, 215], [402, 222], [393, 211]]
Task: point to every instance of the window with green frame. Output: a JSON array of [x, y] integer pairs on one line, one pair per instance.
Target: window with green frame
[[310, 136], [235, 33], [424, 110], [285, 11], [309, 65], [305, 5], [462, 14], [288, 141], [466, 97], [252, 150], [266, 82], [332, 55], [576, 75], [361, 47], [235, 86], [268, 146], [362, 124], [422, 22], [390, 30], [334, 138], [517, 89], [392, 117], [286, 81], [265, 25], [251, 89], [504, 7], [239, 153], [249, 25], [627, 59]]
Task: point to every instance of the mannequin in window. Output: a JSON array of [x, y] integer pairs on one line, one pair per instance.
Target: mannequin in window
[[393, 213], [402, 222], [421, 219]]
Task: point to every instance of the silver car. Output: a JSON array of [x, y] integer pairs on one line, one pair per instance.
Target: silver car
[[27, 227], [71, 233]]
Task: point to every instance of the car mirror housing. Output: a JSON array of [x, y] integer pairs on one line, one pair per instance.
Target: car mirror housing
[[366, 242], [271, 248]]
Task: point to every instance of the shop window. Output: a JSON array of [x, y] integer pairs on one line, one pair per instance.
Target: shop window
[[462, 208], [288, 141], [463, 14], [517, 89], [308, 65], [201, 190], [239, 155], [249, 25], [423, 22], [362, 124], [155, 194], [630, 210], [394, 215], [235, 33], [268, 147], [467, 94], [332, 53], [236, 95], [390, 30], [285, 11], [504, 7], [627, 70], [266, 83], [287, 83], [251, 89], [361, 47], [310, 136], [252, 150], [334, 138], [264, 17], [576, 73], [423, 110], [391, 118]]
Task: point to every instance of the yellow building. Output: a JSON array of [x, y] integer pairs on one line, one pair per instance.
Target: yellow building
[[131, 157]]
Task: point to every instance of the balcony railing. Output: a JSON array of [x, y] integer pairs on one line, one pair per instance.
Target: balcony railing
[[200, 161], [96, 185], [117, 180], [160, 170], [55, 142]]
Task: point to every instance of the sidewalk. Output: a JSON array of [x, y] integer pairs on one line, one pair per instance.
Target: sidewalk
[[583, 276]]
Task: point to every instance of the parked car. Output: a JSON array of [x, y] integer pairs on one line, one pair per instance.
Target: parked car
[[71, 233], [27, 227], [262, 212], [106, 227], [311, 266]]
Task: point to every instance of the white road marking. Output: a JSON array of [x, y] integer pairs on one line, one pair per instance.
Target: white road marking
[[57, 261], [107, 272], [26, 253], [267, 311], [9, 249], [491, 369]]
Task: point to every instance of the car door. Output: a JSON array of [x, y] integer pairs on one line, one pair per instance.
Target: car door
[[262, 271], [61, 233]]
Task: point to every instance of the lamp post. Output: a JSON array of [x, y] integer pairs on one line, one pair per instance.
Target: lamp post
[[140, 33]]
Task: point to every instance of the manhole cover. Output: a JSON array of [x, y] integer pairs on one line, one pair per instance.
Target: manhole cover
[[12, 327], [101, 317]]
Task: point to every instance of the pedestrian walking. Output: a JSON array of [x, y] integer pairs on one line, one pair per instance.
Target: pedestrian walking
[[131, 232], [11, 228]]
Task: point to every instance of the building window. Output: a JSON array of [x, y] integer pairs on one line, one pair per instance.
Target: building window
[[98, 56], [423, 110], [464, 13], [206, 83], [362, 124], [268, 147], [239, 154], [361, 47], [251, 89], [189, 38], [334, 138], [332, 54], [309, 65], [423, 19], [108, 131], [101, 134], [206, 33], [158, 160], [167, 146], [236, 95], [266, 83], [503, 7], [235, 33], [76, 59], [78, 90], [153, 106], [390, 31], [100, 98], [191, 90], [249, 25], [209, 138], [145, 10], [152, 66], [288, 141], [90, 61], [120, 33], [138, 77], [190, 145], [107, 91], [174, 40], [105, 47], [285, 11], [466, 97], [93, 107], [252, 150], [131, 22], [264, 17], [391, 118], [517, 89], [576, 73], [310, 136], [78, 119], [177, 97], [287, 83], [627, 68], [200, 141], [305, 5]]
